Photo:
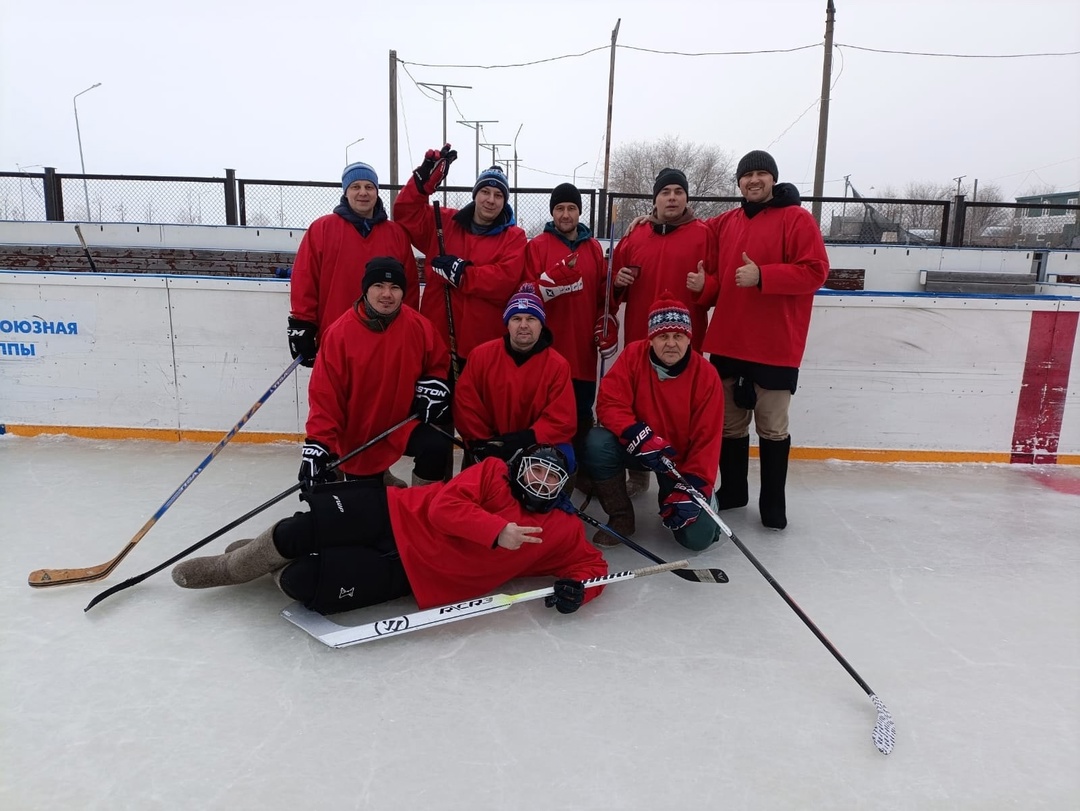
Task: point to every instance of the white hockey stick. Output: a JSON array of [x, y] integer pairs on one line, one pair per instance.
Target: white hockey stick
[[334, 635]]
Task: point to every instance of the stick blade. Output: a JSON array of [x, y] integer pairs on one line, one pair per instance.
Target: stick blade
[[703, 575], [884, 734]]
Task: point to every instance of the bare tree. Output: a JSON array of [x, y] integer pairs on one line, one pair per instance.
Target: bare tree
[[709, 170]]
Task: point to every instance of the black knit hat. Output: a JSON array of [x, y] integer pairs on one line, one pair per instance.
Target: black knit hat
[[668, 177], [383, 269], [757, 159], [565, 193]]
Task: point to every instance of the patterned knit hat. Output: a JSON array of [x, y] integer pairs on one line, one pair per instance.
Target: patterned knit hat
[[358, 171], [524, 302], [669, 315], [492, 177]]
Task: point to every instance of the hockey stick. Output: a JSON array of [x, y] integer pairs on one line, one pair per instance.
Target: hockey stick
[[884, 733], [131, 581], [40, 578], [607, 283], [86, 250], [695, 575], [455, 361], [334, 635]]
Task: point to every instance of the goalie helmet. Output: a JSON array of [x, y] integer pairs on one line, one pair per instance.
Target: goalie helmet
[[537, 477]]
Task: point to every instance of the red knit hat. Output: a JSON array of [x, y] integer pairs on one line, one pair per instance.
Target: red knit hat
[[669, 315]]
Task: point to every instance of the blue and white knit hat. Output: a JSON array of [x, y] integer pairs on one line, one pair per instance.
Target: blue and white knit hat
[[525, 302], [492, 177], [669, 315], [358, 171]]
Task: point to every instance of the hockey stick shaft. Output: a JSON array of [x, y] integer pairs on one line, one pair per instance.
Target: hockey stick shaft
[[884, 729], [56, 577], [695, 575], [339, 636], [86, 250], [608, 282], [131, 581], [455, 361]]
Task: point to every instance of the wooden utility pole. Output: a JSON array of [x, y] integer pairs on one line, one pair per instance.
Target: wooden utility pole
[[393, 127], [823, 114], [443, 88], [607, 134], [477, 124]]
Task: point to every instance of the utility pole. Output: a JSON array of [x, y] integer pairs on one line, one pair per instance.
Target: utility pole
[[516, 134], [823, 114], [607, 134], [843, 211], [477, 124], [493, 148], [393, 127], [958, 179], [443, 89]]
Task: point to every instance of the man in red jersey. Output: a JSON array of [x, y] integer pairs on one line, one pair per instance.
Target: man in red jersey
[[516, 390], [329, 266], [567, 266], [361, 545], [485, 251], [659, 399], [770, 261], [379, 362]]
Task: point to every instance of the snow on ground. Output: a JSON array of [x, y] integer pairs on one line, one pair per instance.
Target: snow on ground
[[953, 591]]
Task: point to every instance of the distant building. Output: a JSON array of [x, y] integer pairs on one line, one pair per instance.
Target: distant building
[[1045, 217]]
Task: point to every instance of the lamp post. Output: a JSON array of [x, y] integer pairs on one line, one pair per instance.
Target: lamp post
[[78, 134], [575, 171], [354, 143]]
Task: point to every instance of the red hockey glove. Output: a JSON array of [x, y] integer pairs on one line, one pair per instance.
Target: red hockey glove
[[606, 335], [560, 279]]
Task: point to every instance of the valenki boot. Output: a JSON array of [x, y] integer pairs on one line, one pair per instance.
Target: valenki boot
[[390, 480], [616, 503], [734, 464], [416, 481], [637, 482], [244, 563], [774, 464]]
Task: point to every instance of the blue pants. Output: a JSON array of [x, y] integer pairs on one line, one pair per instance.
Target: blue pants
[[605, 458]]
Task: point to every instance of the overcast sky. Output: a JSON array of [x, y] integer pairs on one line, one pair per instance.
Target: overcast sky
[[277, 90]]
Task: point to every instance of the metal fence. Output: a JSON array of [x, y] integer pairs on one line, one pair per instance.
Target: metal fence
[[229, 200]]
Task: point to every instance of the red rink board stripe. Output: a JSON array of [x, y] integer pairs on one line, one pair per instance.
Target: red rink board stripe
[[1044, 388]]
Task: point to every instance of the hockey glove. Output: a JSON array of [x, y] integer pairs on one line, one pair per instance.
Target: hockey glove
[[560, 279], [432, 400], [678, 509], [647, 447], [503, 445], [450, 267], [568, 597], [429, 174], [314, 461], [302, 340], [607, 343]]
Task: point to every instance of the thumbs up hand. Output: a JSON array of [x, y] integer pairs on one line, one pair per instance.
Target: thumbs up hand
[[749, 275]]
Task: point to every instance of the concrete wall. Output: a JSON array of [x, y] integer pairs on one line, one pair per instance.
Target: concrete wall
[[886, 376]]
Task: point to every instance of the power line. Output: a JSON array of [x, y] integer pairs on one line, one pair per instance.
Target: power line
[[813, 104], [956, 56], [513, 65], [720, 53]]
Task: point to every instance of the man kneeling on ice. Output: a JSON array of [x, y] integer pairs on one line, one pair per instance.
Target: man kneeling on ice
[[361, 544]]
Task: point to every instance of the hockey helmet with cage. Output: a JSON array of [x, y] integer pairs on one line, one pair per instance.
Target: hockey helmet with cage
[[538, 474]]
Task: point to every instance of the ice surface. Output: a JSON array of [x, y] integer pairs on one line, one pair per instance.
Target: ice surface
[[952, 590]]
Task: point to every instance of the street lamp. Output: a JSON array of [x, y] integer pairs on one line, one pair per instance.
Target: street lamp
[[575, 171], [78, 134], [354, 143]]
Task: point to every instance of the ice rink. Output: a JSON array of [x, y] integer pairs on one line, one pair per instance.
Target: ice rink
[[953, 591]]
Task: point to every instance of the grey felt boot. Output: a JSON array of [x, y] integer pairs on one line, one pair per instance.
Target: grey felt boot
[[418, 482], [637, 481], [237, 544], [244, 563], [612, 495]]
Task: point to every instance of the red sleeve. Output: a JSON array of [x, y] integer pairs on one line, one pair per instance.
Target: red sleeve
[[558, 420], [436, 355], [413, 213], [702, 456], [472, 418], [602, 287], [457, 509], [412, 277], [533, 260], [304, 279], [806, 264], [498, 280], [327, 393], [614, 400]]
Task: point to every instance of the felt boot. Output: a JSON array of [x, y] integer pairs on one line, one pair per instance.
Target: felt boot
[[244, 563], [616, 503]]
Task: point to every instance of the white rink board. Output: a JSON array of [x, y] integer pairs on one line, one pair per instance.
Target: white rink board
[[913, 372], [882, 372]]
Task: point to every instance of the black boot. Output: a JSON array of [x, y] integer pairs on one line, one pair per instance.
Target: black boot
[[774, 462], [734, 461]]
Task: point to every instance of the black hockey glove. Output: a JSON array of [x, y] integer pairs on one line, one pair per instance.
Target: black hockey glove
[[432, 400], [502, 445], [302, 340], [647, 447], [429, 174], [314, 461], [450, 267], [568, 597]]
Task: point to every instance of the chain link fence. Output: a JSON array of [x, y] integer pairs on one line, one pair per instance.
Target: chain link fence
[[49, 195]]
